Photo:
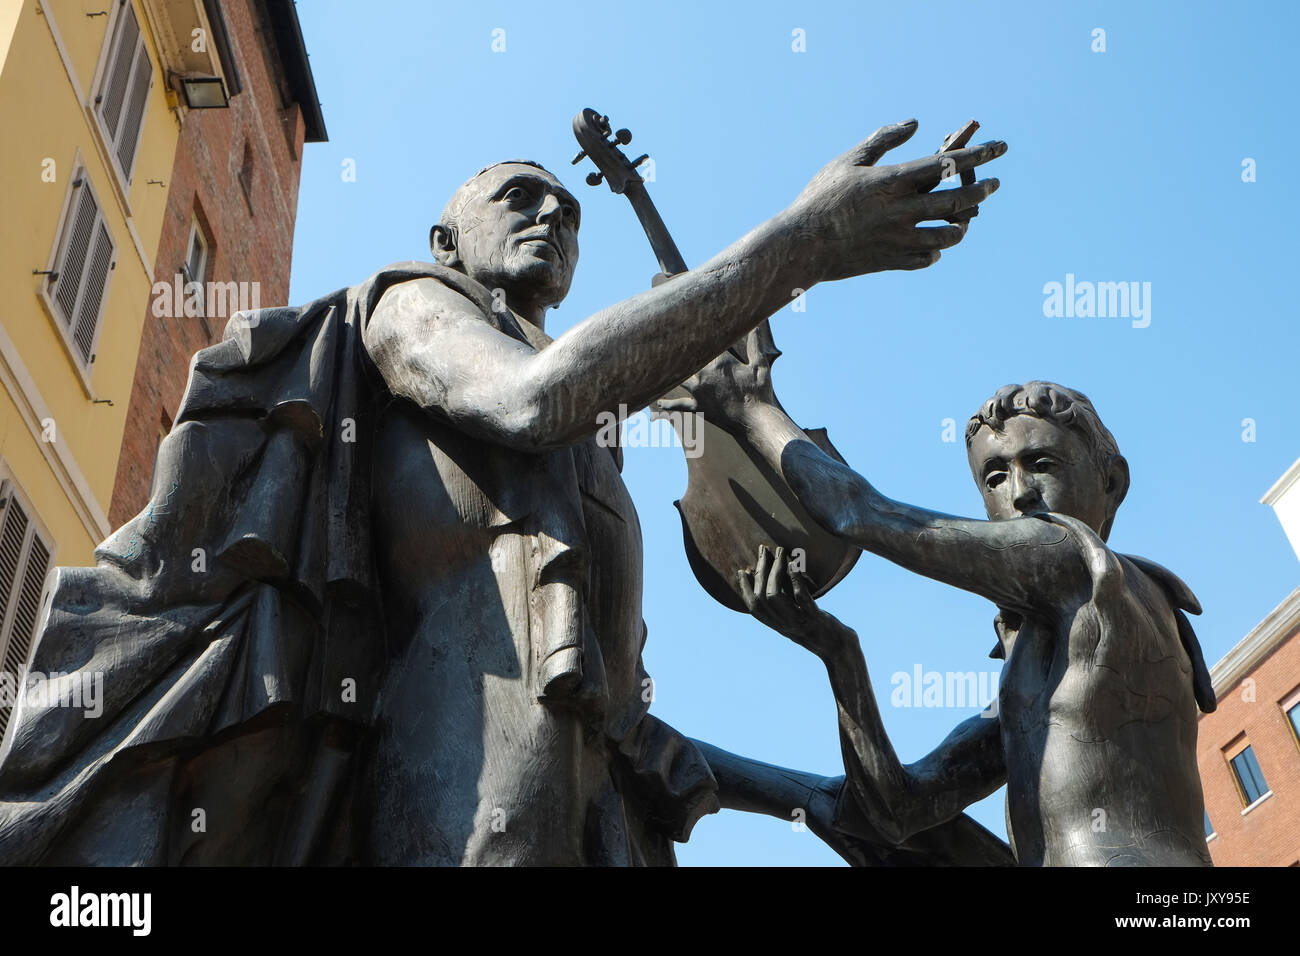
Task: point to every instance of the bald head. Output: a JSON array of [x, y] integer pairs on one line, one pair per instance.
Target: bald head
[[512, 226]]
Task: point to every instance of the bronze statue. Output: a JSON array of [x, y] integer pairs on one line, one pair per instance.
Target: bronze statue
[[385, 603], [1095, 729]]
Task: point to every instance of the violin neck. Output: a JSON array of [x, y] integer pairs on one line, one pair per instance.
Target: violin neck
[[670, 260]]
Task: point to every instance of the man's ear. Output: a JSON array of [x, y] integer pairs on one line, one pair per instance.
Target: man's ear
[[1117, 481], [442, 243]]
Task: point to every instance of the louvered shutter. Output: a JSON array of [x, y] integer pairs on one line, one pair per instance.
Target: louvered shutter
[[24, 562], [125, 89], [117, 77], [129, 134], [83, 267], [96, 278], [85, 213]]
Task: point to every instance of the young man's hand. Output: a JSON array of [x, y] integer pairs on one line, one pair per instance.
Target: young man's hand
[[782, 599]]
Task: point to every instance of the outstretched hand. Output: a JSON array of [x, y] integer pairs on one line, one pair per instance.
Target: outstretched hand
[[782, 599], [864, 218]]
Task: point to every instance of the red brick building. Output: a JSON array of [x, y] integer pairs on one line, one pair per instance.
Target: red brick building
[[231, 206], [1249, 749]]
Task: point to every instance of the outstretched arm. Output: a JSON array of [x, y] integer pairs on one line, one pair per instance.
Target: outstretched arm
[[1024, 564], [897, 800], [853, 218]]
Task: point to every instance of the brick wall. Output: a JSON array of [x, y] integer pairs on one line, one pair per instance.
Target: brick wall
[[1269, 835], [251, 238]]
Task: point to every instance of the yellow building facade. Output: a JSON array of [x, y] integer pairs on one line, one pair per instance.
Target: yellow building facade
[[91, 116]]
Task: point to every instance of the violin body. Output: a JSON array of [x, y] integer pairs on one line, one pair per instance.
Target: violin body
[[733, 501]]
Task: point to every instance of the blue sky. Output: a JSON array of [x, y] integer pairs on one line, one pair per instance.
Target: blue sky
[[1124, 165]]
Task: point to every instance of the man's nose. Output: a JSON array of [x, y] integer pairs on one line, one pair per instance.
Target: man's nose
[[1024, 492], [550, 209]]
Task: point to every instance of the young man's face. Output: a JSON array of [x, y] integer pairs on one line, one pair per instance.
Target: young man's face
[[519, 231], [1033, 466]]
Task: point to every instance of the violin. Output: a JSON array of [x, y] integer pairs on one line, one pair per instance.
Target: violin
[[733, 501]]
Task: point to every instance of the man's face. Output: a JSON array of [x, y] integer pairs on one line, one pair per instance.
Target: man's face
[[519, 231], [1033, 466]]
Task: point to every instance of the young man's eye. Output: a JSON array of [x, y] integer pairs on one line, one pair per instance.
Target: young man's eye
[[1044, 464], [994, 479], [515, 194]]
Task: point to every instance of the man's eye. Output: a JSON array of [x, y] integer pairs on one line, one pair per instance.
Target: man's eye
[[570, 214], [995, 479], [1044, 464], [515, 194]]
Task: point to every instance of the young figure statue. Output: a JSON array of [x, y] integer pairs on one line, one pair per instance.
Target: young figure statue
[[1095, 729]]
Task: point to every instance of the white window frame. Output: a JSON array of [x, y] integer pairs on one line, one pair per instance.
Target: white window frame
[[35, 531], [48, 288], [110, 144], [196, 232]]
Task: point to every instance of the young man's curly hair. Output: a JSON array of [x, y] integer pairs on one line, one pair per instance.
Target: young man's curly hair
[[1052, 402]]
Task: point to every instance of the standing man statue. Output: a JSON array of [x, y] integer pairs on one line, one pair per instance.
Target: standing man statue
[[385, 603], [1095, 729]]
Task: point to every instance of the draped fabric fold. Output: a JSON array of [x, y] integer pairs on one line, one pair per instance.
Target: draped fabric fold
[[234, 626]]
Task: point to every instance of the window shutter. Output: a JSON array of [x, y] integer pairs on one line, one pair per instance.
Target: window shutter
[[83, 267], [125, 88], [83, 333], [85, 213], [129, 135], [24, 562], [118, 75]]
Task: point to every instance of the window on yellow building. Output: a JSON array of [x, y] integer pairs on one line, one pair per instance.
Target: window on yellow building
[[83, 263], [123, 90], [25, 559]]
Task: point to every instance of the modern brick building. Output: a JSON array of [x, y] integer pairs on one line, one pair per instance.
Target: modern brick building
[[227, 237], [1249, 749]]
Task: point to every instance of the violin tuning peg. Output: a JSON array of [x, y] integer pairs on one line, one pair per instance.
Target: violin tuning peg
[[640, 159], [593, 179], [623, 137], [582, 154]]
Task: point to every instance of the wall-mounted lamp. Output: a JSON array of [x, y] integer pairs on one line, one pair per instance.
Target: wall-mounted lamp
[[204, 92]]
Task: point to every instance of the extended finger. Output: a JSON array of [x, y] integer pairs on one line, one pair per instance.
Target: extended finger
[[869, 151], [760, 344], [802, 589], [912, 261], [937, 237], [747, 590], [928, 172], [776, 574], [760, 569], [684, 404], [948, 203]]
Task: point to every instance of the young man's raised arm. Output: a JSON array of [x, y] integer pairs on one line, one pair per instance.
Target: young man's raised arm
[[1022, 563]]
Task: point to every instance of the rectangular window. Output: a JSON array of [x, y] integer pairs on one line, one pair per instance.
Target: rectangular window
[[1249, 777], [1291, 708], [124, 89], [78, 287], [25, 559], [196, 255]]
